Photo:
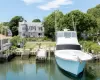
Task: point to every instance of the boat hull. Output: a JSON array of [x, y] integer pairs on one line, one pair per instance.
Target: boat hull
[[74, 67]]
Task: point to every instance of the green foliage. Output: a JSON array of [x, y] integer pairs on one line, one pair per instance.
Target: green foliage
[[89, 45], [13, 48], [96, 13], [36, 20], [83, 21], [6, 23], [58, 21], [3, 29], [16, 40], [13, 24], [46, 39], [49, 23], [98, 24], [40, 39], [34, 45]]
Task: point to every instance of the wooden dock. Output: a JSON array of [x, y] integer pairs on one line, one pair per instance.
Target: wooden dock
[[41, 55], [25, 54]]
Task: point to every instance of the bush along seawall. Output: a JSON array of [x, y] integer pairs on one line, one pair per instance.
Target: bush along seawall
[[92, 48]]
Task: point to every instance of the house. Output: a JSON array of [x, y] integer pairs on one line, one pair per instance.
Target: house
[[4, 43], [31, 29]]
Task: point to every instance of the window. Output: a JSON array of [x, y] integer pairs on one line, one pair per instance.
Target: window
[[41, 29], [31, 33], [35, 28], [60, 34], [74, 34], [32, 27], [65, 47], [67, 34], [23, 34], [39, 34], [29, 27], [24, 26], [19, 33]]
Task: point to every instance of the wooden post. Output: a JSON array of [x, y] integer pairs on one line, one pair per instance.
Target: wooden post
[[49, 53]]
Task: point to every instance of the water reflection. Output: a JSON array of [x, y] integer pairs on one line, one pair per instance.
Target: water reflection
[[30, 70], [92, 71]]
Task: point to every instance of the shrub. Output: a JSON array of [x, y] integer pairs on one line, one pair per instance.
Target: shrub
[[89, 45], [39, 39], [17, 39]]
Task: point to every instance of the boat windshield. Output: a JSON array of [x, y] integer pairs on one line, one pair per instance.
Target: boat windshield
[[60, 34], [68, 46], [66, 34], [69, 34]]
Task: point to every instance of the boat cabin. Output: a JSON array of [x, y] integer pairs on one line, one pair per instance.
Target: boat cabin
[[67, 40]]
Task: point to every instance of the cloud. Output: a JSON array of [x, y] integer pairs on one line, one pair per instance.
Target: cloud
[[55, 4], [28, 2]]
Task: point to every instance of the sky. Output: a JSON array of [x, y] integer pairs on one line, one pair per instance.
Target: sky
[[31, 9]]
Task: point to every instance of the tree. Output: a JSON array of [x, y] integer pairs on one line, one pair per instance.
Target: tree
[[13, 24], [3, 29], [96, 13], [98, 24], [36, 20], [82, 21], [15, 40], [49, 23], [6, 23]]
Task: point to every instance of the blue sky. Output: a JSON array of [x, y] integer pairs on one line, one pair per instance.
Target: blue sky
[[31, 9]]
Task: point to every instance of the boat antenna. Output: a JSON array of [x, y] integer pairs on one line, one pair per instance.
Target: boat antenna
[[55, 22], [74, 23]]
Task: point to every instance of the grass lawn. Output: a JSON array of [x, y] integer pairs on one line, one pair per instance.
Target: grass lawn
[[33, 45]]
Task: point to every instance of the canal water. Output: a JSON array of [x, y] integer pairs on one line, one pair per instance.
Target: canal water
[[19, 69]]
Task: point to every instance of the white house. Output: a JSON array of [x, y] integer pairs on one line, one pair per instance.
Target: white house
[[4, 43], [31, 29]]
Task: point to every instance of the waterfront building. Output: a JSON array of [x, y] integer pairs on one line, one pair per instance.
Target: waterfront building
[[4, 43], [31, 29]]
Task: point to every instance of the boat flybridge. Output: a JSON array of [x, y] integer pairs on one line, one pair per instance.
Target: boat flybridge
[[68, 53]]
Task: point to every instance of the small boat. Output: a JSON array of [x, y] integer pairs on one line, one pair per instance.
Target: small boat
[[68, 53]]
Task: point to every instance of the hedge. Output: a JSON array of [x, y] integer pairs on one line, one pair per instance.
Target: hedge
[[90, 46]]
